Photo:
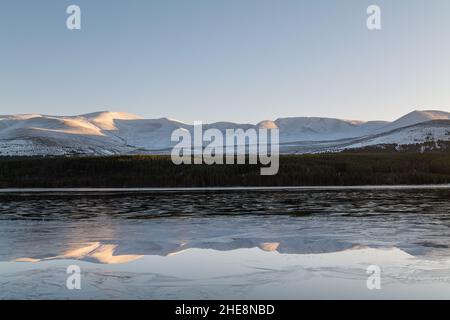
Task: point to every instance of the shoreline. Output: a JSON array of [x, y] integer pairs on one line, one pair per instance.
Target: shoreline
[[200, 189]]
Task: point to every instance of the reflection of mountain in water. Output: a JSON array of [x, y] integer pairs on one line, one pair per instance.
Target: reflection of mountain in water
[[105, 253], [94, 252], [114, 228], [236, 274]]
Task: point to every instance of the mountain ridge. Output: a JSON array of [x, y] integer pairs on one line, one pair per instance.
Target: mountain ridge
[[109, 132]]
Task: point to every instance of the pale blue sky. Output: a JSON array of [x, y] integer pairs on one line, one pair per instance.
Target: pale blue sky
[[237, 60]]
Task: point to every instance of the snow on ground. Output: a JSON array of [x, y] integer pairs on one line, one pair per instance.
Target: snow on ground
[[411, 135]]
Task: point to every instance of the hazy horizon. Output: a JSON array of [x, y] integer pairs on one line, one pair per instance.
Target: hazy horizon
[[239, 61]]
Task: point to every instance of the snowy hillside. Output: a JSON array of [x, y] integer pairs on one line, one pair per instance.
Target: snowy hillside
[[106, 133], [415, 117], [319, 129], [437, 130]]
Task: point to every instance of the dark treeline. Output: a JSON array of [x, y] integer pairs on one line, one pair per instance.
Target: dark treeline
[[159, 171]]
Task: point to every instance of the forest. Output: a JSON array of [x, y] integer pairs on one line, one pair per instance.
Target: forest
[[334, 169]]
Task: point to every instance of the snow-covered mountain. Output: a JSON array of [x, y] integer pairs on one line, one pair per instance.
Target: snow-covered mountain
[[420, 133], [415, 117], [320, 129], [106, 133]]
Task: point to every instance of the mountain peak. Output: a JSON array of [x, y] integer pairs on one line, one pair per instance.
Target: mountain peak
[[106, 119], [432, 114], [120, 115], [415, 117], [267, 124]]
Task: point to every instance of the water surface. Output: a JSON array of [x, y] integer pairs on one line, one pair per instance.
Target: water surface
[[171, 243]]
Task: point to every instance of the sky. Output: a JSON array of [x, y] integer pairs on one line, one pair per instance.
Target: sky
[[225, 60]]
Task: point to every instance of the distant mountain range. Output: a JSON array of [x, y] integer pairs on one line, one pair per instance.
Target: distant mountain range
[[110, 133]]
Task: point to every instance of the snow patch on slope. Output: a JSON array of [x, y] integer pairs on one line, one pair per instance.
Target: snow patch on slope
[[106, 120], [432, 131]]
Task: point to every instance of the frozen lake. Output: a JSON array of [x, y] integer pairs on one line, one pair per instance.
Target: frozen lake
[[226, 244]]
